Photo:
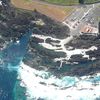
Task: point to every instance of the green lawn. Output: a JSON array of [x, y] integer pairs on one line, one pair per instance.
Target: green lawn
[[69, 2]]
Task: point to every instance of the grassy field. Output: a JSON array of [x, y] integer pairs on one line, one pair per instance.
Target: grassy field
[[91, 1], [55, 12], [63, 2], [69, 2]]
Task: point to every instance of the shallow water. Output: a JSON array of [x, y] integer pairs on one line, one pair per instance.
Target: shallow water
[[10, 59]]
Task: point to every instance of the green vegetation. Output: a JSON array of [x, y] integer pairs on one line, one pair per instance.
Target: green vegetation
[[70, 2], [28, 0], [91, 1], [63, 2]]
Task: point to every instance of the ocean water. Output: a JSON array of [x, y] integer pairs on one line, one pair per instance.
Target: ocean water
[[21, 82], [9, 65], [41, 85]]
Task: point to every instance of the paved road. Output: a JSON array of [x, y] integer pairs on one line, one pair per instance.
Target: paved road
[[82, 16]]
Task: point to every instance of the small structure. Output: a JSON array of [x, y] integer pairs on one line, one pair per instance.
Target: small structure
[[39, 22], [89, 30]]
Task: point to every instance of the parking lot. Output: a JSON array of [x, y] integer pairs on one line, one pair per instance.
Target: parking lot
[[84, 15]]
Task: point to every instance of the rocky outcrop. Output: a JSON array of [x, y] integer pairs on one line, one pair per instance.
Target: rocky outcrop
[[16, 22], [83, 63], [55, 55]]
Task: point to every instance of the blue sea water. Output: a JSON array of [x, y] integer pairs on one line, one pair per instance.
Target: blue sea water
[[10, 59]]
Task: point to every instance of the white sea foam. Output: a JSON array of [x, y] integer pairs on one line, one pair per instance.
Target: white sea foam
[[0, 2], [17, 42], [39, 84]]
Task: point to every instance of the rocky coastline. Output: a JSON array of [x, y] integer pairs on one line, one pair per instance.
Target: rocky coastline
[[47, 49]]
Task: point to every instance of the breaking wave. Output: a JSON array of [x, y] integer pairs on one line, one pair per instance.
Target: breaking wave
[[41, 85]]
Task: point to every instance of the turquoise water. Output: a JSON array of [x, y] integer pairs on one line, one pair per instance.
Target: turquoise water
[[11, 57]]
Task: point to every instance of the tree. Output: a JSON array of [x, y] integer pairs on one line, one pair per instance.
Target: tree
[[81, 1]]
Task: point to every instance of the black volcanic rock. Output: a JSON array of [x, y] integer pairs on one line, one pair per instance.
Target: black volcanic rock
[[84, 41], [79, 65], [14, 23], [2, 44], [95, 53], [78, 58]]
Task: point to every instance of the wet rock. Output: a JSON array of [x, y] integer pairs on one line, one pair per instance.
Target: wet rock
[[2, 44]]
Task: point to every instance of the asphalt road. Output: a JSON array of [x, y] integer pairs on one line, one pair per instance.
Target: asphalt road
[[83, 15]]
